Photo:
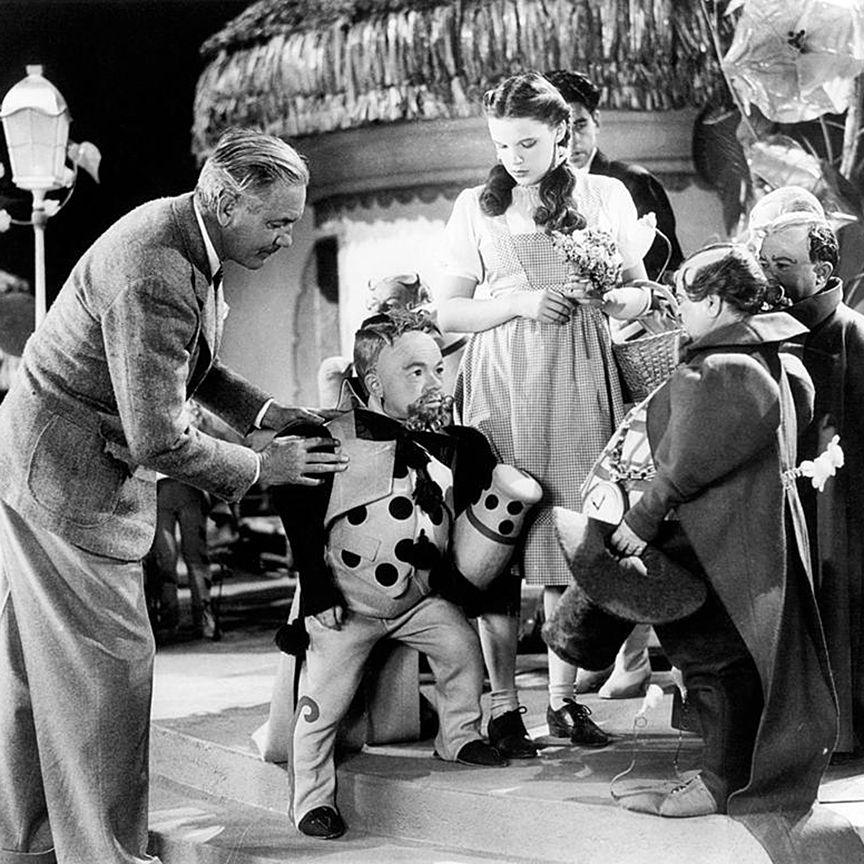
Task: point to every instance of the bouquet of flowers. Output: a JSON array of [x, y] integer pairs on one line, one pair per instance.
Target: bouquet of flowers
[[590, 254]]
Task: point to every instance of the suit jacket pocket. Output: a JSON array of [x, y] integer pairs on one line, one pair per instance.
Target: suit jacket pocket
[[72, 476]]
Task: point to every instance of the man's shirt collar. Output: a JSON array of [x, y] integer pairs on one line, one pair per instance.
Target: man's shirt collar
[[209, 248]]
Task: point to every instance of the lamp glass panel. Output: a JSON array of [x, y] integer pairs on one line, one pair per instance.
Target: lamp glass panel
[[37, 147]]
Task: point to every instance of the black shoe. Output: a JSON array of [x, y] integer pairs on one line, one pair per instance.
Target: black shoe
[[572, 722], [482, 754], [508, 735], [845, 757], [322, 822]]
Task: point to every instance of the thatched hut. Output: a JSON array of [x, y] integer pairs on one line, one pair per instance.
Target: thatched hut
[[383, 96]]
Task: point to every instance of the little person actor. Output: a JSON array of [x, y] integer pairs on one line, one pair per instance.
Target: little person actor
[[374, 551]]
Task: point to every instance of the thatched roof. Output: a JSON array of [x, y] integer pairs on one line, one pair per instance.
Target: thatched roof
[[300, 67]]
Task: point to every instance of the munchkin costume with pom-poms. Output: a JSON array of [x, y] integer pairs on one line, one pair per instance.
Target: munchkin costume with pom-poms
[[376, 541]]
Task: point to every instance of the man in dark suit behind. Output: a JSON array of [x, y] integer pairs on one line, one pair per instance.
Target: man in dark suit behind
[[648, 195], [98, 407]]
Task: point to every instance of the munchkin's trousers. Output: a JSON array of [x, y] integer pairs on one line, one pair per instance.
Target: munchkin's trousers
[[723, 688]]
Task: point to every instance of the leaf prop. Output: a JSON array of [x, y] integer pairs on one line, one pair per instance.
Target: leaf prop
[[720, 161], [85, 155], [782, 161], [847, 196]]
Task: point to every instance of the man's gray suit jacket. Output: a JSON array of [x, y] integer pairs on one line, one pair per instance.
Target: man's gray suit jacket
[[100, 402]]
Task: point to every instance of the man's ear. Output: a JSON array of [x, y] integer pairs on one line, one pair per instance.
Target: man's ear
[[715, 304], [561, 132], [823, 271], [225, 207], [373, 384]]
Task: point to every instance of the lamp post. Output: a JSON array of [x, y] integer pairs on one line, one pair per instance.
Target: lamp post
[[36, 124]]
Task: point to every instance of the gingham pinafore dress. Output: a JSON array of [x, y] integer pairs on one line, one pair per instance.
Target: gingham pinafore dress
[[547, 396]]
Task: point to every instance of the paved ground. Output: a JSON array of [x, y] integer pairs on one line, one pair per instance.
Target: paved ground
[[219, 692]]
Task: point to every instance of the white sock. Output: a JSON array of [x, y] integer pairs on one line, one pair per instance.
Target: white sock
[[503, 701], [558, 693]]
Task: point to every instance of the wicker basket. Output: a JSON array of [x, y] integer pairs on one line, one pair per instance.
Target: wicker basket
[[645, 363]]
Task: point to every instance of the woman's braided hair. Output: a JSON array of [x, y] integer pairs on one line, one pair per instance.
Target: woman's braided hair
[[529, 95]]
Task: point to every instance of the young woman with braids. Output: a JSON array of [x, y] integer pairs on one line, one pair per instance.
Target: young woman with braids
[[538, 376]]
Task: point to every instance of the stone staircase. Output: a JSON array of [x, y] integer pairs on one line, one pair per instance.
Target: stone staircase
[[215, 801]]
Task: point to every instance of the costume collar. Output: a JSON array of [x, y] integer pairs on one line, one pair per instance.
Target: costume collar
[[813, 310], [373, 426], [352, 394], [766, 327]]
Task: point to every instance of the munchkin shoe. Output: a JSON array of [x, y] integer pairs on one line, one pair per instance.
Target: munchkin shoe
[[689, 799], [508, 735], [324, 823], [627, 685], [588, 681], [572, 721], [480, 754]]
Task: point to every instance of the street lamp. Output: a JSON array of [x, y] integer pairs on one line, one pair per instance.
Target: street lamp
[[36, 124]]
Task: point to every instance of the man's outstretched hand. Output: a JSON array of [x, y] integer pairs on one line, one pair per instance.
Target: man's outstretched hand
[[297, 460]]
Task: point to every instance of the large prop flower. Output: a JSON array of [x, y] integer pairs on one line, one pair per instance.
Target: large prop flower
[[796, 59]]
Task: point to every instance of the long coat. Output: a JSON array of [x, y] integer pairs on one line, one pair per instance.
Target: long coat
[[834, 357], [721, 453], [99, 404]]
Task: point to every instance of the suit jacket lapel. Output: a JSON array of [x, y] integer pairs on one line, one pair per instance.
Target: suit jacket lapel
[[210, 322], [599, 164]]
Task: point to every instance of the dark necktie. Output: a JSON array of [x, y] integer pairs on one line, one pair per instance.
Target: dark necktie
[[217, 280]]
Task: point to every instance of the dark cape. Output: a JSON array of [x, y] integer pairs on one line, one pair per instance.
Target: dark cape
[[834, 357], [747, 528]]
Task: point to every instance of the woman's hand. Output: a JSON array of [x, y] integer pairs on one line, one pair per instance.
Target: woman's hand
[[548, 307], [625, 541]]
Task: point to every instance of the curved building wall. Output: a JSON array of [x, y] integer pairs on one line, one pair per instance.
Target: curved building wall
[[379, 198]]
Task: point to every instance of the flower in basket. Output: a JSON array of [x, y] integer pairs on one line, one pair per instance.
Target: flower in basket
[[591, 255]]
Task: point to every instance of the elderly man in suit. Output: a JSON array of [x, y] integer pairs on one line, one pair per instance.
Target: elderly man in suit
[[99, 406], [645, 189]]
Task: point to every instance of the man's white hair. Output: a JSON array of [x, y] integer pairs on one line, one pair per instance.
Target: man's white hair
[[246, 160]]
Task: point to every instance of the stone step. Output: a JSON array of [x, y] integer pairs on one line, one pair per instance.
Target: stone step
[[189, 827], [532, 811]]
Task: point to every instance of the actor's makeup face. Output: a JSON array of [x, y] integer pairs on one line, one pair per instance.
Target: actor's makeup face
[[525, 147], [697, 316], [410, 376], [785, 258], [257, 226], [583, 134]]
